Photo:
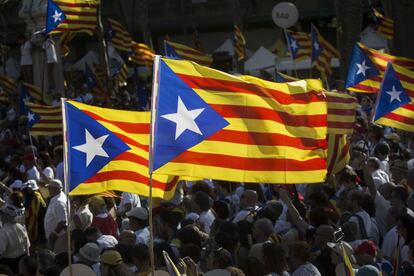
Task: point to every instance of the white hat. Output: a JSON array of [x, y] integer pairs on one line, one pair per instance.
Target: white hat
[[78, 269], [55, 183], [32, 184], [90, 252], [17, 185], [138, 212]]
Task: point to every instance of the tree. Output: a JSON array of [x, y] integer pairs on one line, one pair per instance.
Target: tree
[[349, 20]]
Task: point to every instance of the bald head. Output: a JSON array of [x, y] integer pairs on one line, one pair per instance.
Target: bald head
[[248, 199], [324, 234]]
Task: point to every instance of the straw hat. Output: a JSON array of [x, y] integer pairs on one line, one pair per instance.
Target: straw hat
[[78, 269]]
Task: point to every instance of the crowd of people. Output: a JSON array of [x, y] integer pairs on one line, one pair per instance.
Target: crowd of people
[[361, 218]]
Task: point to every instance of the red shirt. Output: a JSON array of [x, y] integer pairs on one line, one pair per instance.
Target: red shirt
[[106, 224]]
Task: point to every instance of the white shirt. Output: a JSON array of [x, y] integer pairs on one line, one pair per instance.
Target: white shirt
[[390, 243], [307, 269], [380, 177], [48, 172], [106, 241], [143, 236], [26, 53], [207, 219], [14, 241], [33, 173], [85, 216], [55, 213], [366, 220], [126, 198]]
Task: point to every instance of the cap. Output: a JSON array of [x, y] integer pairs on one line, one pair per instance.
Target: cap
[[336, 247], [55, 183], [393, 137], [90, 252], [111, 257], [367, 247], [138, 212], [368, 270], [31, 184], [17, 185], [97, 202]]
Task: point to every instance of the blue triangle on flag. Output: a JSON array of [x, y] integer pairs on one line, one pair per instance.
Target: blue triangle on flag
[[25, 97], [183, 118], [54, 16], [292, 43], [361, 67], [316, 45], [170, 52], [91, 146], [392, 94], [32, 118]]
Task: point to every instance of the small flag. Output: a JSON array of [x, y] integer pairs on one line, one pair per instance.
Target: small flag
[[377, 62], [210, 124], [239, 44], [384, 25], [72, 15], [141, 54], [300, 45], [341, 112], [322, 53], [108, 150], [393, 106], [349, 271], [8, 84], [44, 119], [65, 39], [120, 37], [181, 51]]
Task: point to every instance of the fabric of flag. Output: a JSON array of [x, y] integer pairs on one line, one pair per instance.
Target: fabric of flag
[[100, 73], [34, 92], [120, 37], [239, 44], [54, 16], [349, 271], [77, 16], [141, 54], [338, 152], [108, 150], [92, 81], [280, 77], [341, 112], [375, 61], [210, 124], [384, 25], [122, 75], [65, 39], [394, 107], [322, 53], [44, 119], [181, 51], [300, 45], [8, 84]]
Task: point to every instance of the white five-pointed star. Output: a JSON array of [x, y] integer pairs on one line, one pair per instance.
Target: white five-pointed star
[[293, 45], [30, 117], [57, 16], [362, 68], [316, 46], [394, 94], [184, 119], [26, 99], [92, 147]]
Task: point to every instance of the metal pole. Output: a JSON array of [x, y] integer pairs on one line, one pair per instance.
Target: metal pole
[[291, 53], [104, 49]]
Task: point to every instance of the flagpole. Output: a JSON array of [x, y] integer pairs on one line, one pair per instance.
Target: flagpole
[[291, 54], [104, 49], [66, 183], [154, 103]]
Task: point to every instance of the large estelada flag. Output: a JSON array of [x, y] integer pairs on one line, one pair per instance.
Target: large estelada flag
[[107, 149], [367, 68], [210, 124], [71, 16], [181, 51], [44, 119]]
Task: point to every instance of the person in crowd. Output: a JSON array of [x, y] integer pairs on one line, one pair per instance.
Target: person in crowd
[[299, 260], [82, 217], [201, 204], [35, 209], [101, 218], [248, 204], [112, 264], [138, 221], [27, 266], [55, 221]]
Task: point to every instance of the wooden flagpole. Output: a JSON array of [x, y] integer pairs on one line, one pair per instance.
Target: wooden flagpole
[[66, 183]]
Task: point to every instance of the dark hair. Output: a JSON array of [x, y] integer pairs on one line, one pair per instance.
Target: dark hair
[[202, 200], [347, 175], [141, 252], [318, 216], [357, 196], [274, 258], [79, 239], [368, 204], [29, 264], [407, 221], [374, 162], [126, 251], [190, 250], [382, 149], [254, 267], [300, 250], [222, 209], [401, 192], [189, 235], [5, 269]]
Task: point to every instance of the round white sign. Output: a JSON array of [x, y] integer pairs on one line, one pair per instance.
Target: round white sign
[[285, 15]]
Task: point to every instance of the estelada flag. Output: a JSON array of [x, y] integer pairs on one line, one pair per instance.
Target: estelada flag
[[107, 149], [210, 124]]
